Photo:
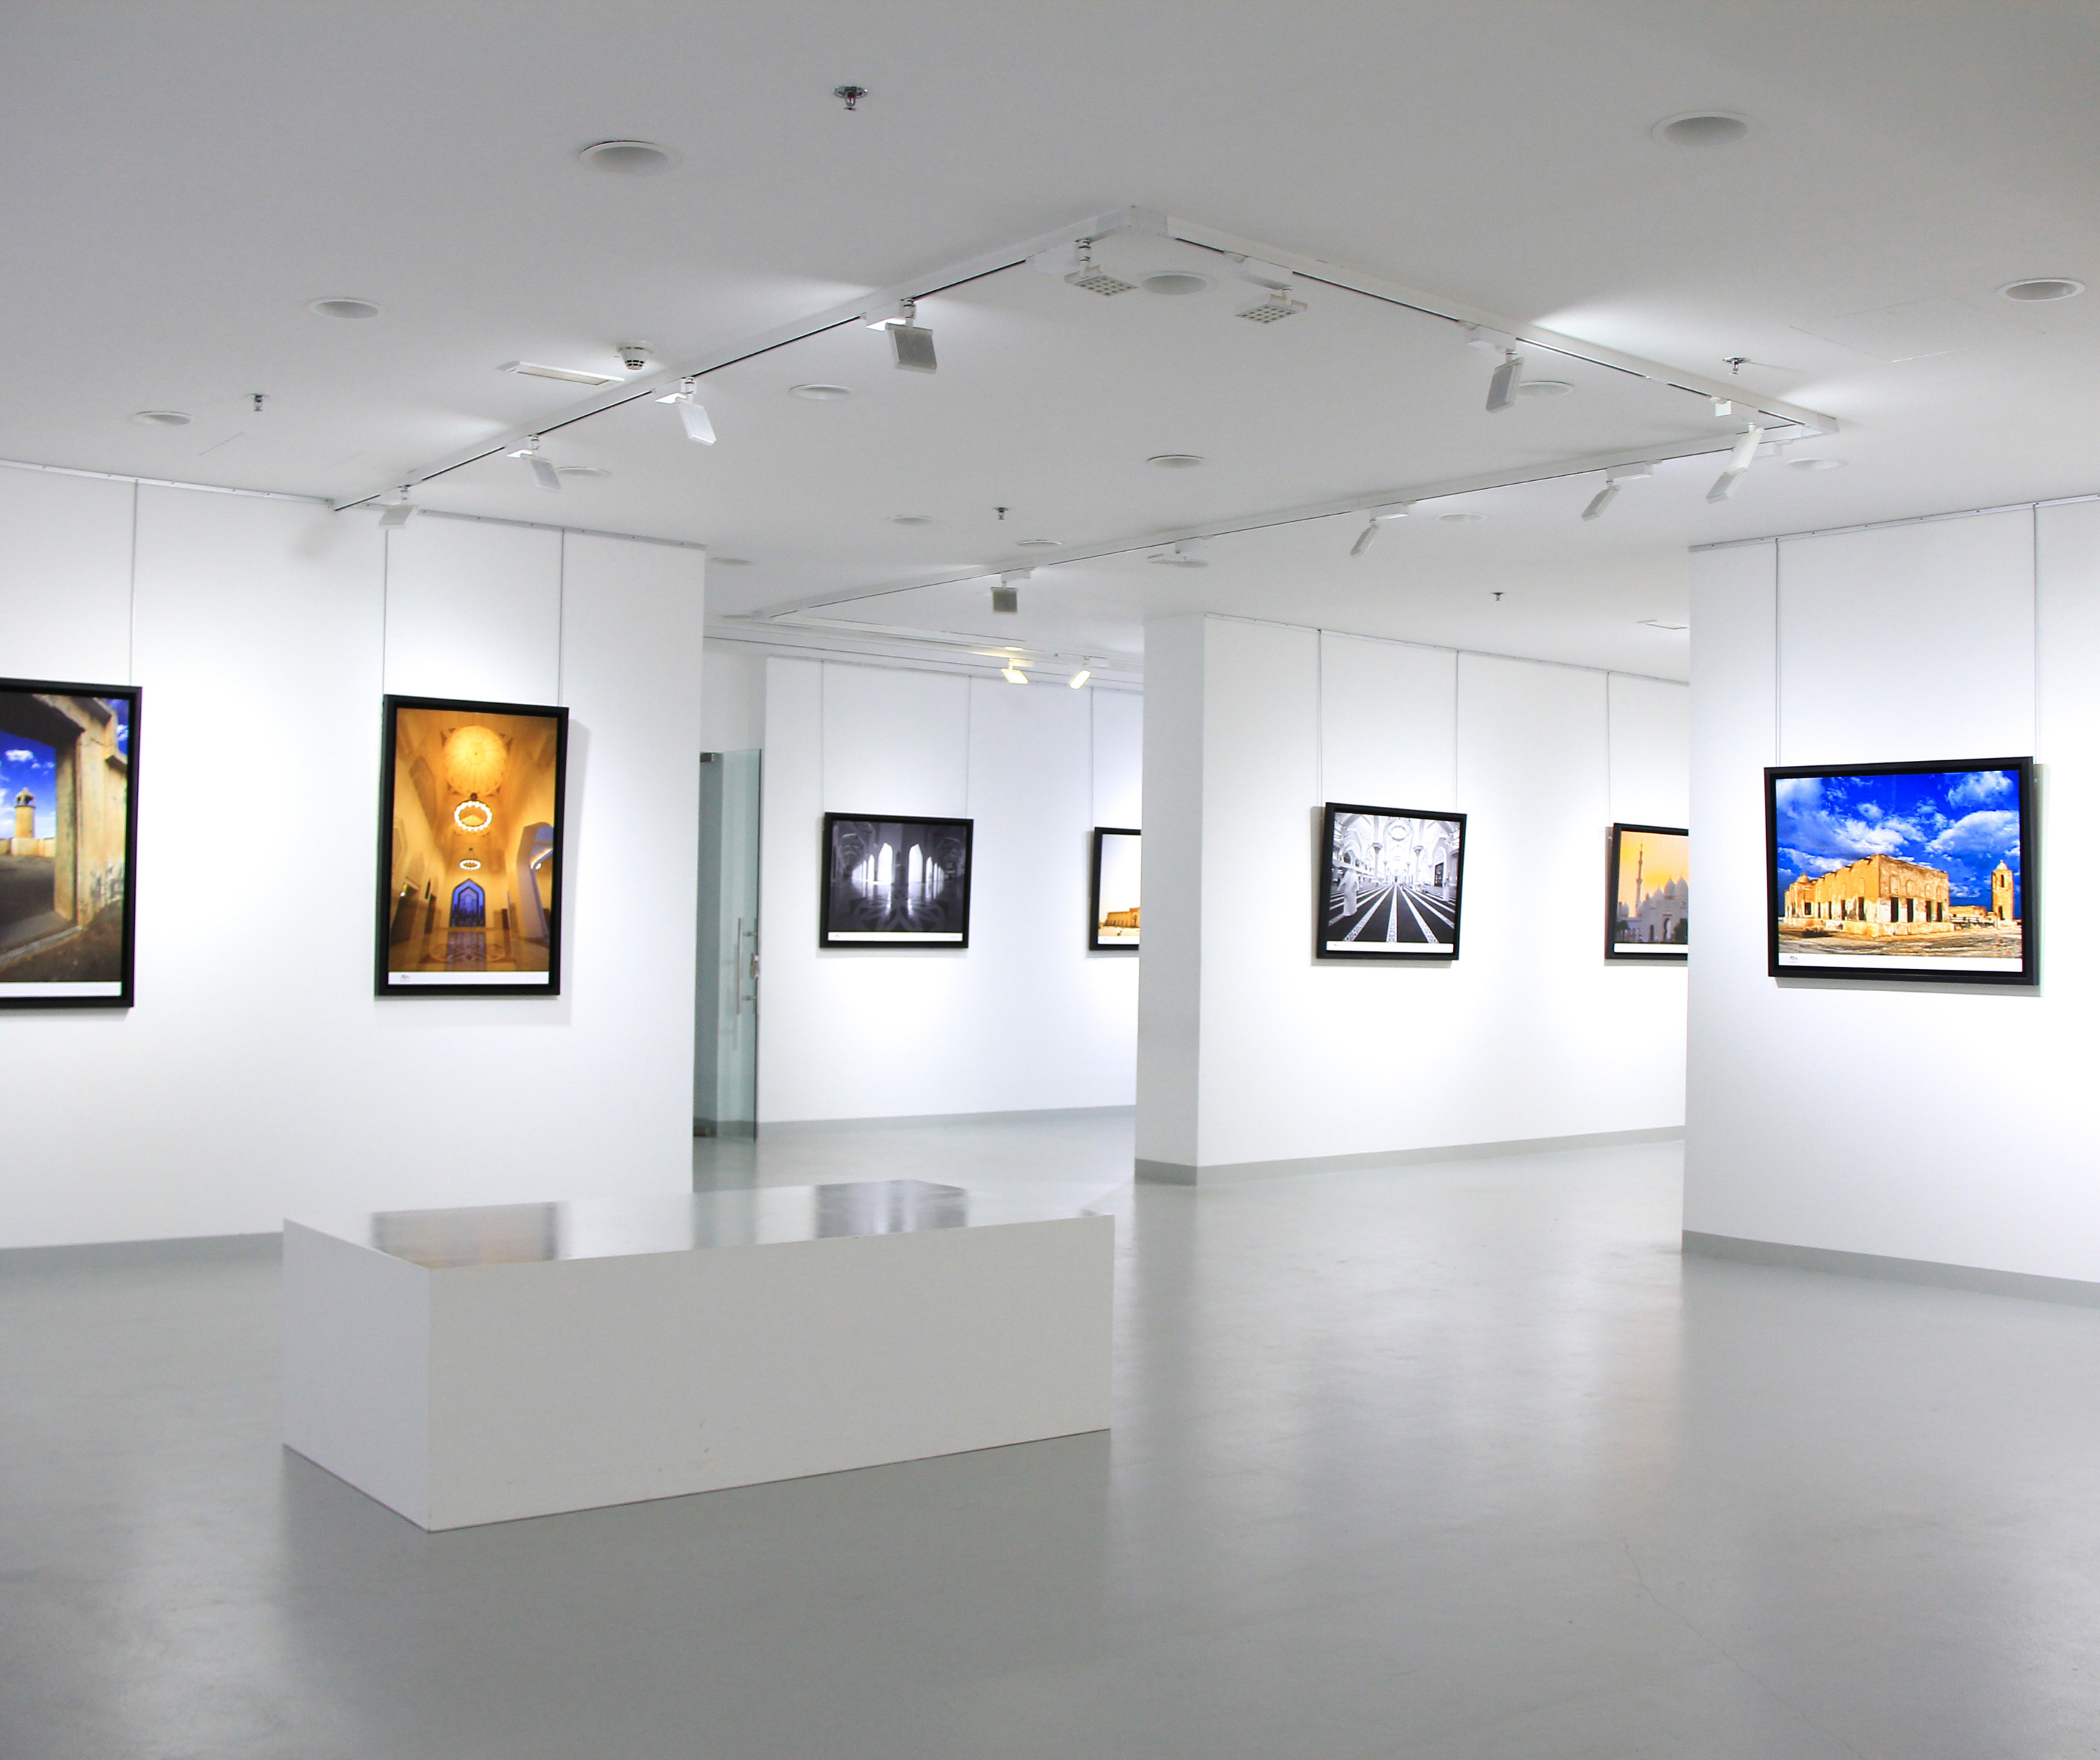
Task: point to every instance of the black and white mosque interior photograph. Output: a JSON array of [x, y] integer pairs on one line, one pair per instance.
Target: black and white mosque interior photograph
[[845, 874]]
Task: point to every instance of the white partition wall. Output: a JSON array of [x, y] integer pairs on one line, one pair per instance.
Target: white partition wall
[[1255, 1056], [1907, 1128], [1025, 1018], [257, 1073]]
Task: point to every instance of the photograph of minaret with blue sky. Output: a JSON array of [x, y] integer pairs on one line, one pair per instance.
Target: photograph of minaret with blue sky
[[1914, 870], [66, 843]]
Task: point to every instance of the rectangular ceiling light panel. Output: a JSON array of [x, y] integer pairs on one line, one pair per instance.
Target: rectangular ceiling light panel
[[567, 375]]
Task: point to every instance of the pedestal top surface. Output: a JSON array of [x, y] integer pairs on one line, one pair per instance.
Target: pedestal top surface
[[608, 1228]]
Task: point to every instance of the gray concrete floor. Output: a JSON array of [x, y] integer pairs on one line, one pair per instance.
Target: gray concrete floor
[[1460, 1461]]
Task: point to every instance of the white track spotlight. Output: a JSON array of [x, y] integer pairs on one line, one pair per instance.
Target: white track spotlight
[[1485, 341], [1614, 479], [901, 315], [1012, 674], [396, 510], [1006, 596], [1747, 443], [1502, 389], [911, 348], [1369, 535], [686, 399], [1089, 277], [544, 473], [1182, 554], [1277, 302], [1080, 677]]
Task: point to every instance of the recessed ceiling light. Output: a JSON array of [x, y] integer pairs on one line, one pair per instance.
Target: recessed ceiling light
[[566, 375], [911, 519], [161, 419], [1703, 128], [627, 158], [730, 561], [1036, 544], [1174, 281], [343, 308], [1817, 464], [820, 394], [2043, 287], [1544, 388], [583, 470], [1175, 460], [1461, 519]]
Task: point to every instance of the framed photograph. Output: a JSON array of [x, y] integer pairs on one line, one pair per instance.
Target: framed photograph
[[471, 832], [1118, 855], [895, 882], [69, 844], [1646, 893], [1390, 882], [1918, 871]]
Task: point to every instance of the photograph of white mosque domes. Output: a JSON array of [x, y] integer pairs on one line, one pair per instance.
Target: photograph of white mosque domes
[[1390, 884], [1901, 870], [66, 843], [896, 883], [470, 898], [1117, 865], [1651, 897]]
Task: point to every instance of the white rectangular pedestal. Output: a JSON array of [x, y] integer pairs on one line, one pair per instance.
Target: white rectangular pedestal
[[481, 1365]]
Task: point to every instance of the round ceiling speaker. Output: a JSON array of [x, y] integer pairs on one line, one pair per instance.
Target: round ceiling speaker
[[343, 308], [820, 394], [627, 158], [1175, 460], [1175, 281], [2043, 287], [1543, 387], [161, 419], [1703, 128]]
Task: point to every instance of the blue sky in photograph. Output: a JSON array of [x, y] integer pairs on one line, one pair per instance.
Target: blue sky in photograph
[[1965, 822], [27, 763]]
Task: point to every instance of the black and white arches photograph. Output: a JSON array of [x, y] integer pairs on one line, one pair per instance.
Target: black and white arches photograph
[[896, 882], [1390, 883]]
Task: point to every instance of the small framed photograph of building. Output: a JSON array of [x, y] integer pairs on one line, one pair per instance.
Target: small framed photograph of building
[[471, 831], [1118, 864], [1923, 872], [896, 882], [1647, 894], [68, 843], [1390, 883]]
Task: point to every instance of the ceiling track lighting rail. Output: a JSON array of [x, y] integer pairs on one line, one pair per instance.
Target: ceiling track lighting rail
[[1268, 264]]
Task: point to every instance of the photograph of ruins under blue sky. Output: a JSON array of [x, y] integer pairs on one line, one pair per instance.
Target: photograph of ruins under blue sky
[[1903, 871], [66, 838]]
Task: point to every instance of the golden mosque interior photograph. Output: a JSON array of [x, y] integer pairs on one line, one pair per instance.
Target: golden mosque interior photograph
[[474, 841]]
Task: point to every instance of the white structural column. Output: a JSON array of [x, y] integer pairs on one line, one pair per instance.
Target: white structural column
[[1253, 1056]]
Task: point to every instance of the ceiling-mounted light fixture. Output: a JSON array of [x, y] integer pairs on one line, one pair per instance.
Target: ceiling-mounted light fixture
[[1089, 277], [1502, 387], [1012, 672], [911, 347], [1182, 554], [1369, 535], [1080, 677], [396, 510], [687, 399], [1745, 450], [1724, 407], [1276, 303], [543, 470], [566, 375], [1614, 478], [1006, 596]]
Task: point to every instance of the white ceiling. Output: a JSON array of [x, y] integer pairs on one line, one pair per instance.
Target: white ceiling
[[185, 177]]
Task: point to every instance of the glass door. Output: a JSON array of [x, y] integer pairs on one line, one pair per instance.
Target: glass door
[[726, 1036]]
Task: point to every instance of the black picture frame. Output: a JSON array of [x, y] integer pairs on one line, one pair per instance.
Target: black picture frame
[[1095, 927], [538, 920], [836, 888], [1639, 953], [62, 715], [1408, 913], [2023, 899]]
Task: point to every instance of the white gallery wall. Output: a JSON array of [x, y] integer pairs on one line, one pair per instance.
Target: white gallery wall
[[1919, 1122], [259, 1076], [1025, 1018], [1252, 1052]]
